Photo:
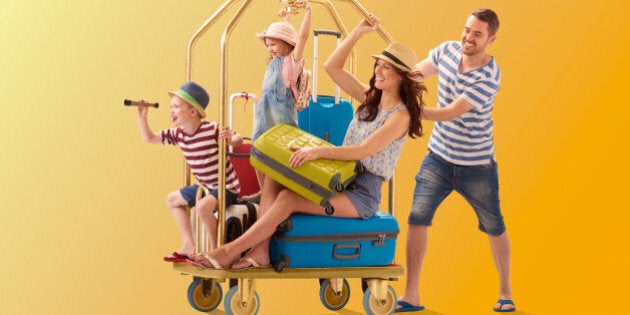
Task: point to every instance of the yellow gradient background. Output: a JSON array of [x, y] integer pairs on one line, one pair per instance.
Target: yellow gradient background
[[83, 219]]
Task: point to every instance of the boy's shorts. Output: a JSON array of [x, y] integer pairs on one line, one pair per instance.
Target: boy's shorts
[[189, 193], [478, 184]]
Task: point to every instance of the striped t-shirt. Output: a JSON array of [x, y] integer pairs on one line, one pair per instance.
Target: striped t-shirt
[[201, 151], [467, 139]]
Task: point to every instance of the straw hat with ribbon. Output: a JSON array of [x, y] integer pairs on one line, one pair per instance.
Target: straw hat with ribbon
[[280, 30], [399, 55]]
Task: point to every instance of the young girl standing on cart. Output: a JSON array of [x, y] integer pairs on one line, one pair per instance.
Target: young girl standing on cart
[[277, 101], [389, 112], [286, 49]]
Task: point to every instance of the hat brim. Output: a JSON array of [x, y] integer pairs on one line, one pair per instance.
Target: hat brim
[[262, 36], [393, 62], [200, 110]]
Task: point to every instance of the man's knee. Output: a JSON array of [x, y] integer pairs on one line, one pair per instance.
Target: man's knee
[[418, 218], [496, 228]]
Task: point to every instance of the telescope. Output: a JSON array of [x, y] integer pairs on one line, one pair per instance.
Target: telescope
[[138, 103]]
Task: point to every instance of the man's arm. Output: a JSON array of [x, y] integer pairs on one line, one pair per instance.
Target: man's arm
[[453, 110], [426, 68]]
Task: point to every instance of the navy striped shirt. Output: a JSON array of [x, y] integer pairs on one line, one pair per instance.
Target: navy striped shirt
[[467, 139]]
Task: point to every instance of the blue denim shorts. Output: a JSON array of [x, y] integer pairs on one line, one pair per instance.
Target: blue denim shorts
[[365, 194], [478, 184], [189, 193]]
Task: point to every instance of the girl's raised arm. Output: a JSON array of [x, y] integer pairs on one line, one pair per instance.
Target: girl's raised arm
[[305, 30]]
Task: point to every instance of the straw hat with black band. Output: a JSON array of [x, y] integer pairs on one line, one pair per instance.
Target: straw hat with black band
[[399, 55]]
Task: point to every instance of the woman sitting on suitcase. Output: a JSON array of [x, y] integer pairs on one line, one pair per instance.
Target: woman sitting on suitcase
[[389, 111]]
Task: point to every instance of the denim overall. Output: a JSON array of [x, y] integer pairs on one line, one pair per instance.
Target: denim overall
[[277, 103]]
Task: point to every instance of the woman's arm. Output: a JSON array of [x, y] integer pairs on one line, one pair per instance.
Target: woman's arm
[[334, 65], [394, 128]]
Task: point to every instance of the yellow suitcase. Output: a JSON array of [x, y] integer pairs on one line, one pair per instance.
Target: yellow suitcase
[[317, 180]]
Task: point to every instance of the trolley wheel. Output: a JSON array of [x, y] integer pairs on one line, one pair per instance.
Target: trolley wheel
[[373, 306], [234, 306], [204, 295], [364, 285], [332, 300]]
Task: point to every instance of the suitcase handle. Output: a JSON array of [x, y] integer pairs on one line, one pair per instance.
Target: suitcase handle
[[327, 32], [343, 256], [316, 62], [246, 96]]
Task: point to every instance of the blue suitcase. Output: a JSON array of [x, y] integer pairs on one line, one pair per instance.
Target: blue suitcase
[[326, 117], [309, 241]]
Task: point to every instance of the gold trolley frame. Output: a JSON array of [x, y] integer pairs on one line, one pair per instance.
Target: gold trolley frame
[[379, 296]]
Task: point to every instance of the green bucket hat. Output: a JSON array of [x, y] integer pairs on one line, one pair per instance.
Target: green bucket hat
[[194, 95]]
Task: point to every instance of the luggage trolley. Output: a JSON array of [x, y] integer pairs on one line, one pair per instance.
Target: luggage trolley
[[242, 214], [205, 293], [244, 171]]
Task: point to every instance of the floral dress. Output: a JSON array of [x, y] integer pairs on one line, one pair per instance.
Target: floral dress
[[382, 163]]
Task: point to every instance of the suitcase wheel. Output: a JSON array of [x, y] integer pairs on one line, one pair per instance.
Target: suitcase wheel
[[204, 295], [329, 209], [284, 226], [277, 267], [339, 187], [335, 183], [283, 262], [359, 168], [331, 299]]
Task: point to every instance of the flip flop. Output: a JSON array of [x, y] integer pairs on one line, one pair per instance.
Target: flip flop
[[406, 307], [252, 264], [215, 264], [176, 257], [502, 302]]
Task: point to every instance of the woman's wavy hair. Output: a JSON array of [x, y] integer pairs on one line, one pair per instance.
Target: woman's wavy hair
[[411, 89]]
